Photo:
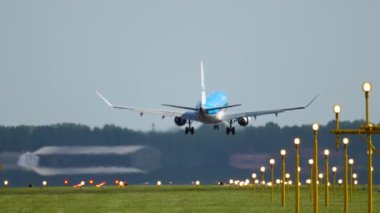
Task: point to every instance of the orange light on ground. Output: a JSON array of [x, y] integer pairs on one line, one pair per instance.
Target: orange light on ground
[[91, 182], [79, 185], [117, 182], [101, 184], [66, 182]]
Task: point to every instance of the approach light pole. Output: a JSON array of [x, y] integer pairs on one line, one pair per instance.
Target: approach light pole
[[311, 162], [345, 143], [287, 180], [367, 87], [334, 170], [320, 180], [272, 162], [297, 142], [262, 169], [351, 163], [355, 176], [327, 153], [340, 181], [315, 170], [283, 153], [337, 109], [254, 176], [308, 182], [367, 130]]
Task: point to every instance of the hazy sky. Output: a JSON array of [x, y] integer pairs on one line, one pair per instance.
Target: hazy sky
[[264, 54]]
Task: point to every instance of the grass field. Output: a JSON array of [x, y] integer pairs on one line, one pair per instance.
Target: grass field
[[169, 199]]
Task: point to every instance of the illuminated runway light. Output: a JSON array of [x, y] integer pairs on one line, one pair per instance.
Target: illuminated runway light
[[354, 176], [6, 183], [287, 175], [159, 183], [231, 181], [44, 183]]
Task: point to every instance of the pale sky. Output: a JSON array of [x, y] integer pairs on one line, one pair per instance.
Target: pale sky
[[263, 54]]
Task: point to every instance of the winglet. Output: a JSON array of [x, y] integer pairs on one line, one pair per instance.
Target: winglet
[[104, 99], [312, 100]]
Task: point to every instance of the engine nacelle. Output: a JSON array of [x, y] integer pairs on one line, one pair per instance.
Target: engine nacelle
[[180, 121], [243, 121]]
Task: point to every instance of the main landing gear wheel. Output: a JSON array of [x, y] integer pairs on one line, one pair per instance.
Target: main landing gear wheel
[[230, 130], [189, 130]]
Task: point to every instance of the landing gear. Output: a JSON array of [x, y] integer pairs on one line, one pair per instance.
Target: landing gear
[[189, 129], [230, 129], [216, 126]]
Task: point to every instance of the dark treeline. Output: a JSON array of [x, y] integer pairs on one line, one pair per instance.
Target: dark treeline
[[209, 155]]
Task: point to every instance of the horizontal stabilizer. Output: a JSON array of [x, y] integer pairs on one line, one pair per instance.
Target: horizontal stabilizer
[[180, 107], [224, 107], [195, 109]]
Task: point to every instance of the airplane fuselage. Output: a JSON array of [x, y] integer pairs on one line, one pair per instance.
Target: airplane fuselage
[[214, 100]]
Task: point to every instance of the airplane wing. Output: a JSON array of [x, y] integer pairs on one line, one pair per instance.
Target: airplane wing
[[141, 111], [234, 116]]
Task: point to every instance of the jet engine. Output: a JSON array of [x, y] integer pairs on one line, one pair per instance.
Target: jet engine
[[243, 121], [179, 121]]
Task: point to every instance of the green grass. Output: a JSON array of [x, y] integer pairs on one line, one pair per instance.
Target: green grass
[[169, 199]]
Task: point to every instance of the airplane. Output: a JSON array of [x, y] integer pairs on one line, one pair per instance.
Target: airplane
[[211, 109]]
